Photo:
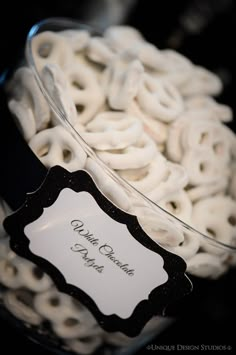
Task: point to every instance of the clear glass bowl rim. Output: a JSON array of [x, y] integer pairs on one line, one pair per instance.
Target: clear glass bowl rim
[[60, 24]]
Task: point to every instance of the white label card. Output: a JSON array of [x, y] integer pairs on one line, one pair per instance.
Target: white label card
[[96, 252]]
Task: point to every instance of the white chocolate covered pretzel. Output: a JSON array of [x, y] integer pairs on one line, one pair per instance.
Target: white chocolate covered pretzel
[[33, 278], [179, 205], [135, 156], [188, 247], [122, 37], [77, 39], [121, 81], [54, 305], [156, 129], [203, 167], [162, 231], [203, 82], [99, 51], [159, 99], [174, 67], [50, 47], [214, 136], [202, 191], [112, 130], [215, 217], [209, 107], [10, 276], [175, 179], [56, 84], [206, 265], [174, 147], [19, 303], [107, 185], [24, 118], [84, 345], [147, 178], [85, 91], [56, 146]]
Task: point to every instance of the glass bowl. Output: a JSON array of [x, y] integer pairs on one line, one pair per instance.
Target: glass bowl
[[164, 225]]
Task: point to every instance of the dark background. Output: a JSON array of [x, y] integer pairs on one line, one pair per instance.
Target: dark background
[[203, 31]]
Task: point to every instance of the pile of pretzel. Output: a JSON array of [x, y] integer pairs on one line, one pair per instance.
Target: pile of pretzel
[[150, 116]]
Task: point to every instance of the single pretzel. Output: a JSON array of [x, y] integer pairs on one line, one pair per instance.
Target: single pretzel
[[158, 227], [215, 217], [199, 192], [54, 305], [50, 47], [203, 167], [121, 81], [147, 178], [175, 179], [85, 91], [135, 156], [80, 324], [24, 77], [208, 106], [122, 37], [99, 51], [77, 39], [206, 265], [85, 345], [32, 277], [10, 275], [159, 99], [174, 147], [24, 118], [175, 68], [156, 129], [210, 135], [112, 130], [179, 205], [148, 54], [188, 247], [56, 83], [107, 185], [56, 146], [203, 82], [19, 303]]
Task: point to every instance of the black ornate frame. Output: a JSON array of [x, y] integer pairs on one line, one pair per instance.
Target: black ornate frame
[[177, 286]]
